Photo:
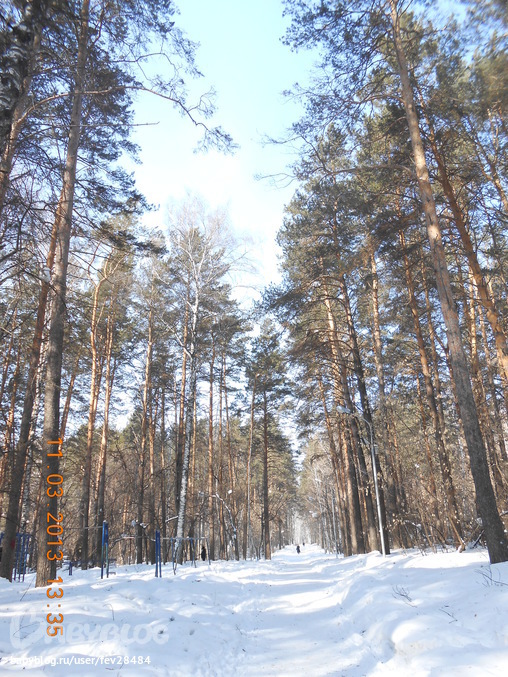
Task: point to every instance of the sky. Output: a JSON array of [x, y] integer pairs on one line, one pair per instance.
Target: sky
[[424, 614], [243, 59]]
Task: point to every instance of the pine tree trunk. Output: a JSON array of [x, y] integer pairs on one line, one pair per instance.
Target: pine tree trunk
[[497, 541], [266, 507], [222, 524], [352, 493], [434, 512], [488, 425], [68, 397], [163, 472], [374, 538], [211, 521], [397, 464], [46, 569], [110, 367], [501, 455], [152, 524], [27, 502], [353, 497], [95, 383], [100, 513], [433, 350], [246, 519], [143, 442], [191, 506], [352, 444], [374, 535], [231, 466], [338, 475], [393, 507]]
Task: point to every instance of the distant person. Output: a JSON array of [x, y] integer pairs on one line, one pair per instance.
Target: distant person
[[203, 553], [303, 544], [298, 549]]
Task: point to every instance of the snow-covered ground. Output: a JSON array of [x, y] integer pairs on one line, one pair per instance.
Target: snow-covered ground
[[309, 614]]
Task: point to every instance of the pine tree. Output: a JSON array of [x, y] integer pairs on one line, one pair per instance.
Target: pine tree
[[267, 369], [361, 41]]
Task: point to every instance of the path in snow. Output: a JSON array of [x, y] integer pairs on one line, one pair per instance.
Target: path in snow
[[284, 615], [315, 615], [439, 615]]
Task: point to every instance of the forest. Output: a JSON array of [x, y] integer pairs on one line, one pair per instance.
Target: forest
[[362, 401]]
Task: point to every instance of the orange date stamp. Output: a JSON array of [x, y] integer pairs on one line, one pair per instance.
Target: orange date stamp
[[54, 543]]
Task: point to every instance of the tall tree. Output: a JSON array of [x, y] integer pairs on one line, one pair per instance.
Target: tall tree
[[46, 568], [96, 110], [362, 42], [497, 542], [199, 262], [266, 369]]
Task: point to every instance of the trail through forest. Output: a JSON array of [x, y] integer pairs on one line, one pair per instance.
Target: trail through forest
[[310, 614]]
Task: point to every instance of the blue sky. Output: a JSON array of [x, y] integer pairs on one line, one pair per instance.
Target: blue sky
[[243, 59]]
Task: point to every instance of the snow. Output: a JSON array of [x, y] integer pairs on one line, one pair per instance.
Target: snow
[[313, 614]]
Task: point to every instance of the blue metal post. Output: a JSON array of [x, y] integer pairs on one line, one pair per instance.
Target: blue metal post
[[107, 550]]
